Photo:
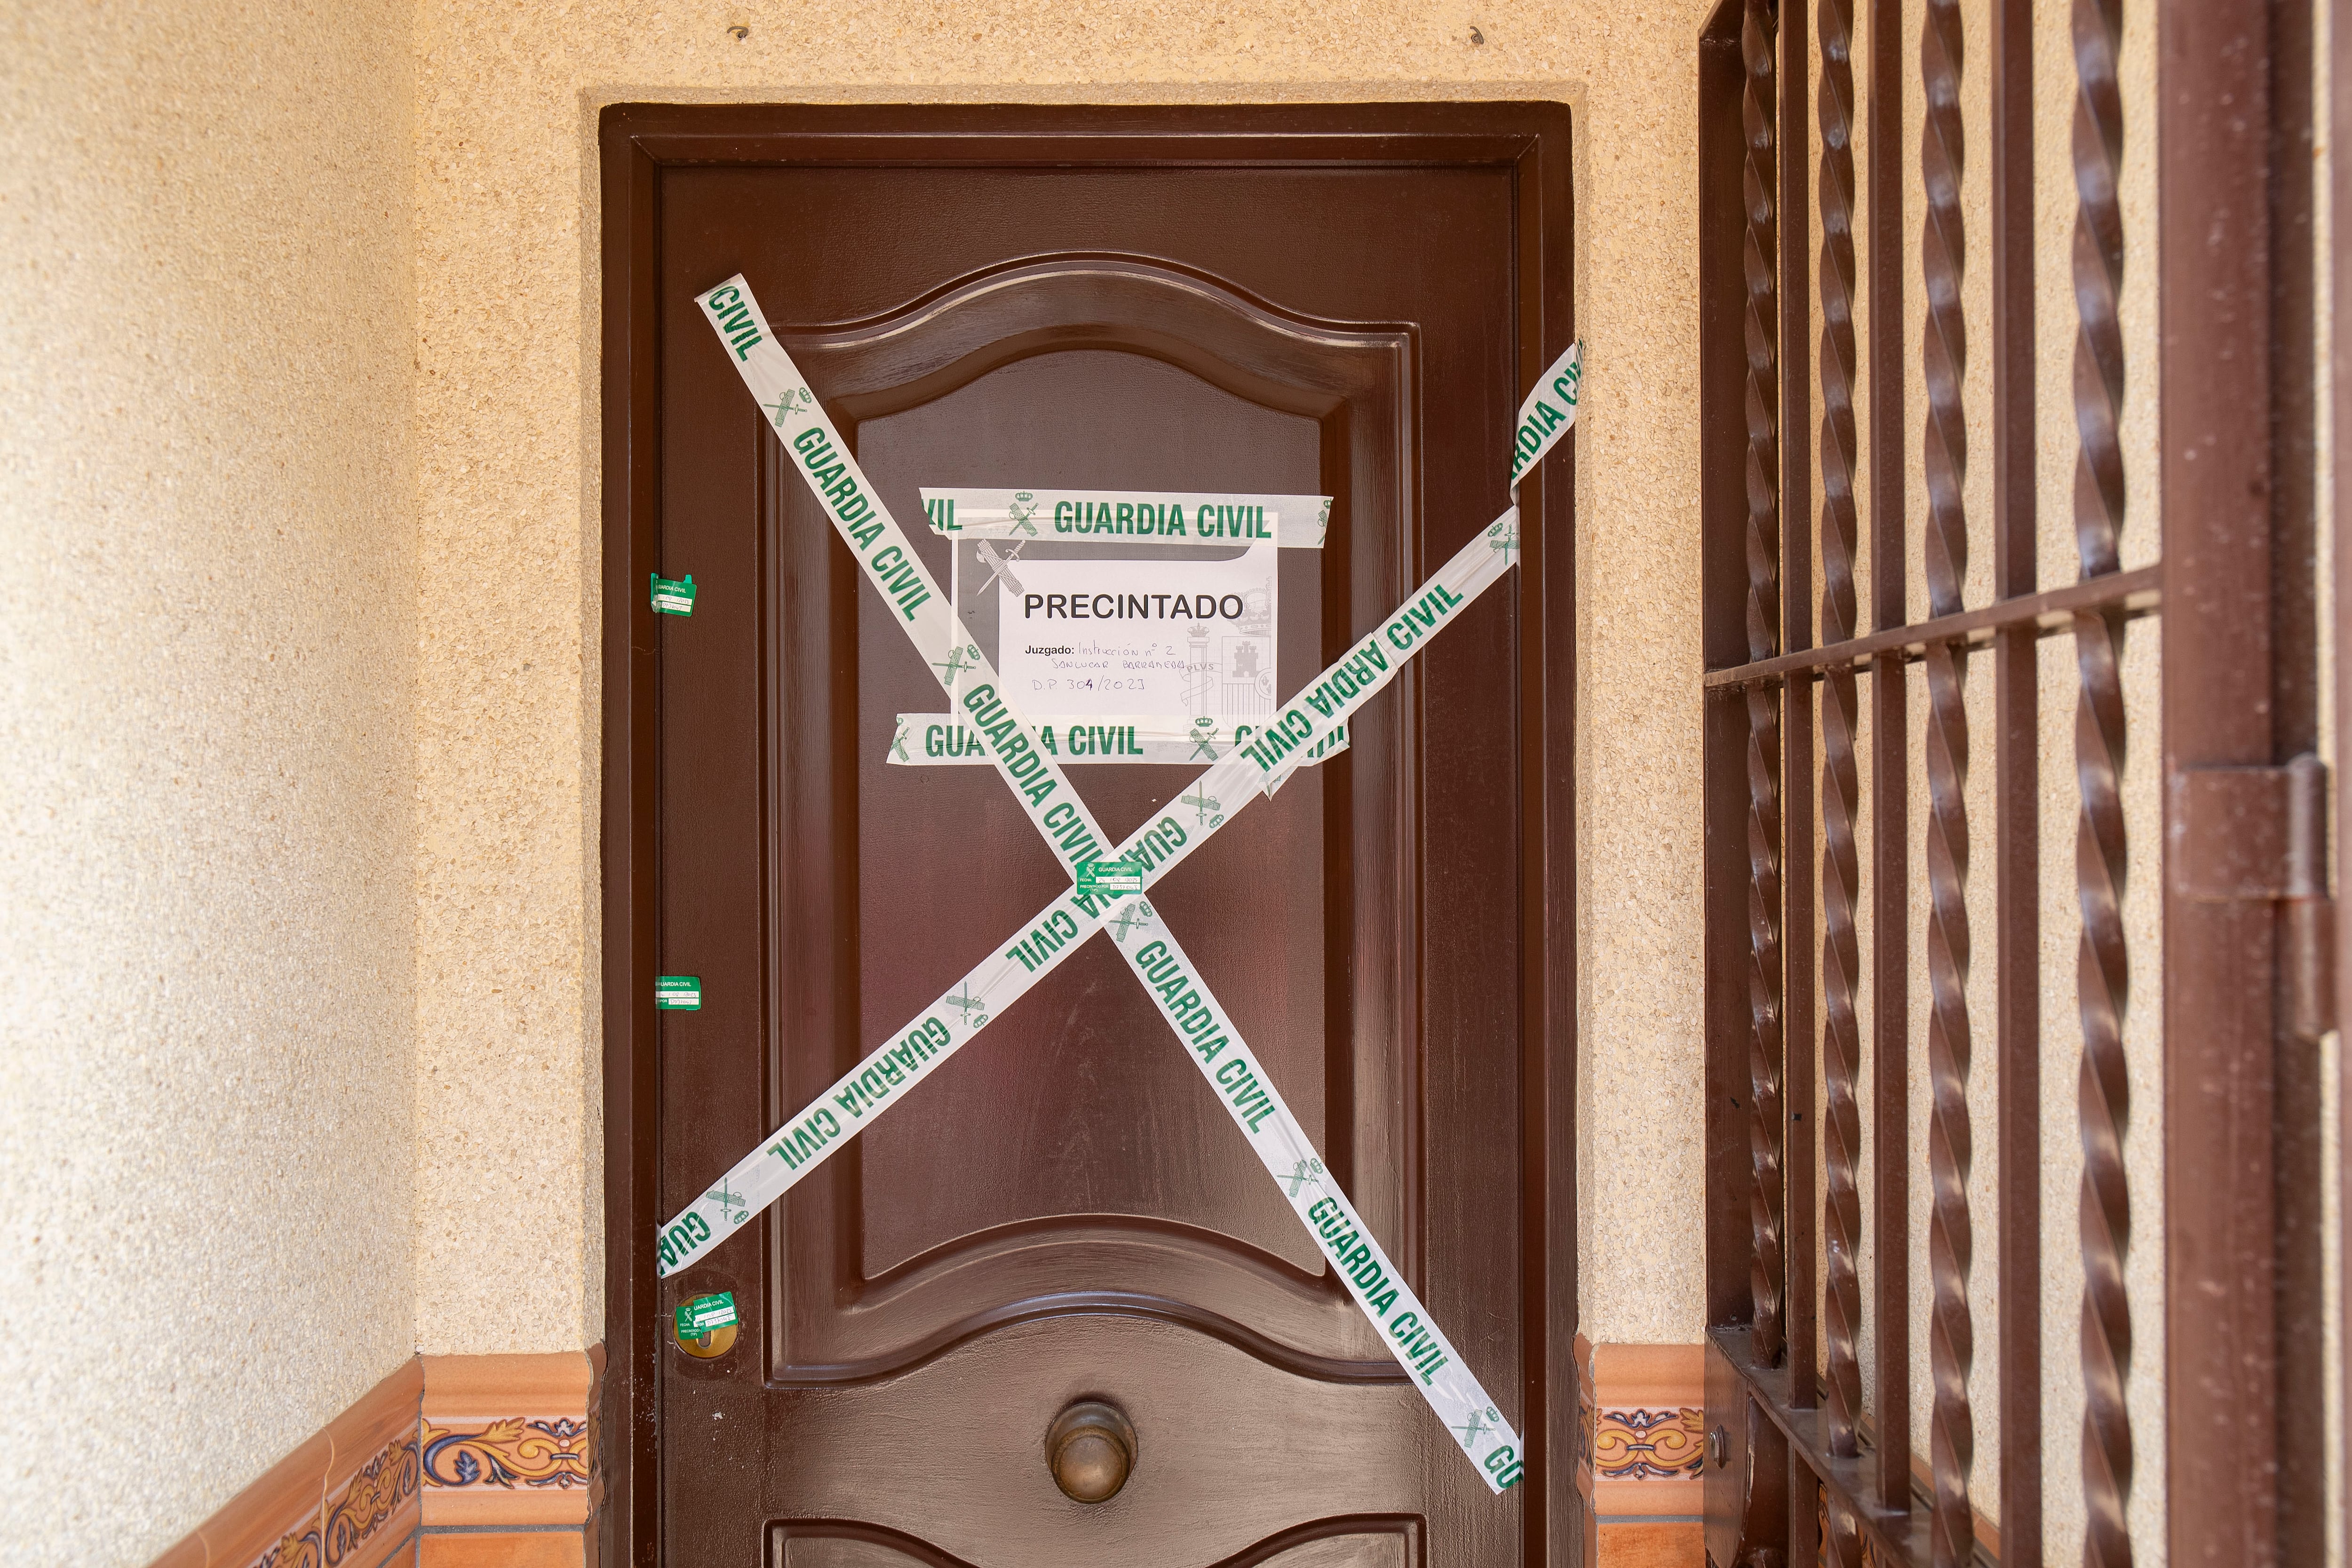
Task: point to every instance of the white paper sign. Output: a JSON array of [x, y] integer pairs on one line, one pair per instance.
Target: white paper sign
[[1153, 638]]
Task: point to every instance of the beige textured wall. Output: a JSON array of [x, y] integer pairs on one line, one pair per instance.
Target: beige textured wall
[[509, 1255], [206, 636]]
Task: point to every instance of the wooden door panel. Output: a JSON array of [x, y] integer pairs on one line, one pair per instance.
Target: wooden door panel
[[1078, 1107], [971, 1424], [1072, 1152], [1326, 1543]]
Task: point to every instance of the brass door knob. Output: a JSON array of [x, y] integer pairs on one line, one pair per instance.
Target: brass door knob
[[1090, 1448]]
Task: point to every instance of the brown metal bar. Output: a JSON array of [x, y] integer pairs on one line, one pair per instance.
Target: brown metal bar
[[2298, 1149], [1722, 635], [2100, 858], [1892, 1537], [2017, 836], [1841, 789], [1767, 1270], [1890, 782], [2215, 284], [2339, 73], [1797, 919], [2127, 594], [1944, 455]]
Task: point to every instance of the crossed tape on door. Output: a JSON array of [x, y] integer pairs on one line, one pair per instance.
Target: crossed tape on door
[[1302, 726]]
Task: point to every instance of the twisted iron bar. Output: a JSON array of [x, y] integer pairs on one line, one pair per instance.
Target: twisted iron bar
[[1767, 1269], [2102, 975], [1841, 785], [1943, 256]]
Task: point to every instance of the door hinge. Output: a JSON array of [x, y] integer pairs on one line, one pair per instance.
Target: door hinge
[[2260, 834]]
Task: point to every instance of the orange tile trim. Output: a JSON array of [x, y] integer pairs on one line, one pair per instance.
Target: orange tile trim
[[510, 1439], [355, 1494], [345, 1497], [1641, 1431]]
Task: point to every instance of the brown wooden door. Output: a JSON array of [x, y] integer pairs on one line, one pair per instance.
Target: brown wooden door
[[1064, 1211]]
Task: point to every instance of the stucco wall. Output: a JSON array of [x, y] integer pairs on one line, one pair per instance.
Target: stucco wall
[[509, 1257], [206, 646]]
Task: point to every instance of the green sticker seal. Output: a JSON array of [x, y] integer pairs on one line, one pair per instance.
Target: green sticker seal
[[1113, 878], [678, 993], [704, 1314], [673, 598]]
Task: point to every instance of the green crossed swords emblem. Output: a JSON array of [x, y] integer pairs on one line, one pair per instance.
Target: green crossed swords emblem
[[953, 665], [898, 744], [1504, 536], [1024, 506], [1202, 805], [1303, 1172], [730, 1203], [1471, 1428], [1130, 917], [974, 1008], [800, 399], [1206, 731]]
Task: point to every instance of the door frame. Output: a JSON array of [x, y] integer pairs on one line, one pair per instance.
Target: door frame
[[635, 142]]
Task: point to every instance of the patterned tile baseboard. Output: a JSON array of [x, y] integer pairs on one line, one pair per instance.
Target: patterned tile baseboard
[[510, 1439], [345, 1497], [462, 1444], [1642, 1448]]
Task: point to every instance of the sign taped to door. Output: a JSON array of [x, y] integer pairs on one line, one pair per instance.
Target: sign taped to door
[[1110, 615], [1014, 747]]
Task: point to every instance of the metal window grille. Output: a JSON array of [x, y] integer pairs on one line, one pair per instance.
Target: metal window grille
[[1844, 717]]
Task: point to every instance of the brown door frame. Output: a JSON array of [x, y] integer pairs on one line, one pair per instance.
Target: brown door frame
[[637, 142]]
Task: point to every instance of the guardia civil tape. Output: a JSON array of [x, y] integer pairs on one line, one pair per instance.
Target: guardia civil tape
[[948, 740], [1130, 516], [833, 477]]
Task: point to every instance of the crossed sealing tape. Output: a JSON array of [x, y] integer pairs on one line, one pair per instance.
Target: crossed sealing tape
[[1300, 729]]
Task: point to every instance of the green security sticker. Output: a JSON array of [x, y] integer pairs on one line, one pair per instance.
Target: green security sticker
[[673, 598], [1100, 878], [704, 1313], [678, 993]]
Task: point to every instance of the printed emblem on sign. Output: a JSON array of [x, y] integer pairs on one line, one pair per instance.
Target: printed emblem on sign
[[1204, 730], [1097, 878], [1135, 914], [704, 1313], [673, 598], [1023, 508], [678, 993], [954, 665], [800, 399]]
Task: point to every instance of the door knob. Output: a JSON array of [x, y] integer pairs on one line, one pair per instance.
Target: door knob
[[1090, 1448]]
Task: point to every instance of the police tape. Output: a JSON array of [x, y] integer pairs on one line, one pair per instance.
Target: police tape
[[1130, 516], [1300, 729], [946, 741]]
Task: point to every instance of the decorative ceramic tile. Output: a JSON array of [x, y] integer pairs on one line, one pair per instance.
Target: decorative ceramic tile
[[509, 1439], [513, 1451], [298, 1547], [1649, 1444], [372, 1502]]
